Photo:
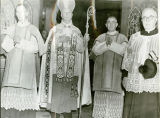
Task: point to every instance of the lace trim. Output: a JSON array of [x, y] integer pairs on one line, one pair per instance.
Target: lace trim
[[132, 54], [19, 99], [133, 59], [108, 105], [136, 83]]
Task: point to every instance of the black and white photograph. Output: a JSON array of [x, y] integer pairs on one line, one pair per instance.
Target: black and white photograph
[[80, 59]]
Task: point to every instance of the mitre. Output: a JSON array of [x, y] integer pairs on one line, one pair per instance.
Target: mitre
[[66, 5]]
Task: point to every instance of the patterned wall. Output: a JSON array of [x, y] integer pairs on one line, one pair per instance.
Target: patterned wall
[[131, 12]]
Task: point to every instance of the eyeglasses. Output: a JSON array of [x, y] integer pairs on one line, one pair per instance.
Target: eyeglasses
[[148, 18]]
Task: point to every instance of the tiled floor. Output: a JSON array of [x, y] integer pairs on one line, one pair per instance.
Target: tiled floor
[[86, 113]]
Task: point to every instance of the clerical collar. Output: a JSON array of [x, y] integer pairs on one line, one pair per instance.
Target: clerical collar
[[68, 25], [145, 33], [112, 33]]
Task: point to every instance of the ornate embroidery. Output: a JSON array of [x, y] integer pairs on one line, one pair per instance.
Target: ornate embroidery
[[47, 68], [74, 91], [134, 21], [71, 60], [80, 35], [60, 63], [69, 74], [108, 40]]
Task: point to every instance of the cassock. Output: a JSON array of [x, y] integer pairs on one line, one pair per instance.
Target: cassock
[[108, 100]]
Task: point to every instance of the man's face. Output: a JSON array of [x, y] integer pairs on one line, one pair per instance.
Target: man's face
[[20, 13], [66, 16], [149, 19], [111, 24]]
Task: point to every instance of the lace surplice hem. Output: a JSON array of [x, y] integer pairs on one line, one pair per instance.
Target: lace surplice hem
[[137, 84], [19, 99], [108, 105]]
